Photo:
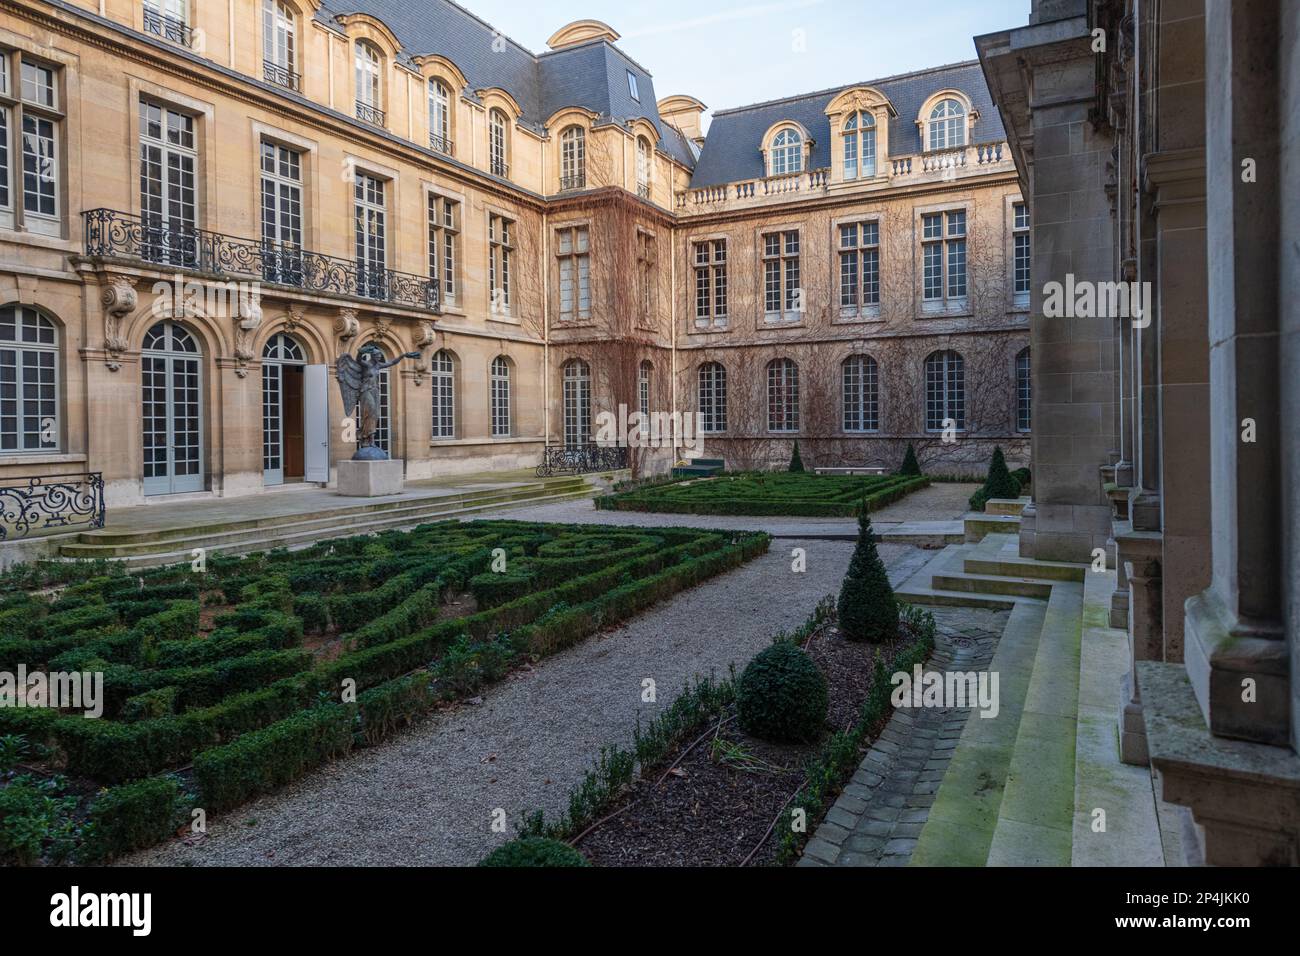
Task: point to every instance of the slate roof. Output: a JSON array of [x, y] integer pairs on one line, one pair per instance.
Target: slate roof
[[731, 148]]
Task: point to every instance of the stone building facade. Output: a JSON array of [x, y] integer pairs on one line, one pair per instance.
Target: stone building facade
[[1156, 143]]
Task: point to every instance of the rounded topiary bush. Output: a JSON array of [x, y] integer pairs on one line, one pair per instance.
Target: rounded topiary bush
[[782, 696], [534, 851]]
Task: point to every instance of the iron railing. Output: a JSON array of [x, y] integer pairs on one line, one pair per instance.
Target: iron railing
[[122, 235], [579, 459], [500, 169], [37, 503], [440, 144], [282, 76], [370, 114], [169, 28], [573, 182]]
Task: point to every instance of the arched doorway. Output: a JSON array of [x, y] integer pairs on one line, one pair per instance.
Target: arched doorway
[[283, 363], [171, 382]]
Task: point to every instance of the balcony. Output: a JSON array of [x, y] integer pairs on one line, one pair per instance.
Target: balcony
[[573, 182], [499, 168], [370, 114], [118, 235], [441, 144], [281, 76], [169, 28], [643, 190]]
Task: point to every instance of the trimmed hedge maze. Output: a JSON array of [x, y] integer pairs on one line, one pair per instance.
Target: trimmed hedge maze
[[222, 685], [767, 493]]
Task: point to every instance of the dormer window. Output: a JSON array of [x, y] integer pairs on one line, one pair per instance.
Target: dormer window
[[498, 150], [439, 117], [946, 125], [859, 146], [786, 154], [573, 158], [279, 45], [643, 166], [367, 62], [631, 86]]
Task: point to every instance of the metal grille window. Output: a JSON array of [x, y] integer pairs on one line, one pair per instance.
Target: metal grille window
[[713, 397], [782, 396], [168, 158], [646, 256], [281, 213], [943, 252], [573, 255], [371, 236], [168, 19], [442, 370], [711, 282], [573, 158], [577, 402], [947, 125], [439, 117], [1020, 241], [444, 237], [861, 394], [29, 381], [782, 297], [500, 397], [499, 252], [860, 268], [1024, 392], [859, 146], [786, 153], [498, 157], [279, 44], [945, 391]]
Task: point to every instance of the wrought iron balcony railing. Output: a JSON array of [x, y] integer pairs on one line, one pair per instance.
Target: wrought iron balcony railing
[[500, 169], [121, 235], [282, 76], [580, 459], [29, 504], [169, 28], [643, 190], [573, 182], [440, 144], [370, 114]]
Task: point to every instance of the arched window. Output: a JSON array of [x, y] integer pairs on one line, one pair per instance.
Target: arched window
[[713, 398], [577, 402], [861, 394], [859, 146], [573, 158], [172, 408], [786, 154], [644, 164], [945, 391], [1024, 392], [29, 382], [439, 117], [369, 92], [500, 386], [498, 150], [280, 44], [282, 411], [643, 376], [782, 396], [442, 370], [947, 124]]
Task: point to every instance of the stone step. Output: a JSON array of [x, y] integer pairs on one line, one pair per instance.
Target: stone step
[[992, 584], [1005, 506], [1022, 568], [978, 526], [942, 598]]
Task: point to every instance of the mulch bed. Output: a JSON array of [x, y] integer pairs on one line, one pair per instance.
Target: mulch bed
[[713, 806]]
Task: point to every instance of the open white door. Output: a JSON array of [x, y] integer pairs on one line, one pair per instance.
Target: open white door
[[316, 424]]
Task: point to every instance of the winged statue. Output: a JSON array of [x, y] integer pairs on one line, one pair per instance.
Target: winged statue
[[359, 386]]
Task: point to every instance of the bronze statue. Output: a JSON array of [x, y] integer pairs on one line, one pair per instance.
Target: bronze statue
[[359, 385]]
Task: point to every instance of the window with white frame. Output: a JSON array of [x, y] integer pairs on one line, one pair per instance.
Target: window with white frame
[[711, 283], [644, 164], [782, 296], [573, 259], [169, 19], [500, 387], [860, 268], [442, 373], [782, 396], [859, 146], [500, 252], [439, 116], [279, 44], [29, 382], [30, 126], [945, 391], [577, 402], [573, 158], [946, 125], [370, 213], [786, 153], [632, 89], [713, 397], [498, 150], [281, 213], [1024, 392], [369, 91], [645, 372], [861, 394], [1020, 253], [444, 238], [943, 254], [168, 163]]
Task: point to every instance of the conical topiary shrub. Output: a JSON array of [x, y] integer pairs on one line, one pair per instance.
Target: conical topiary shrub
[[1000, 483], [796, 463], [910, 467], [867, 608]]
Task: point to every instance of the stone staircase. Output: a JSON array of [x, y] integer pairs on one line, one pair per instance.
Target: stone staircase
[[149, 547]]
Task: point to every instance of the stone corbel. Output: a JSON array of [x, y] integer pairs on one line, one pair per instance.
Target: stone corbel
[[423, 338], [347, 327], [119, 300], [247, 322]]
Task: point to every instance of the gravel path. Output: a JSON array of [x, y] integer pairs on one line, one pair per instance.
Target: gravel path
[[426, 797]]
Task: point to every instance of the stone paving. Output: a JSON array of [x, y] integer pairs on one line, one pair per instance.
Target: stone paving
[[879, 815]]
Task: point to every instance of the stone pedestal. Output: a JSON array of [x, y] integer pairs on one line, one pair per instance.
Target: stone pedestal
[[370, 479]]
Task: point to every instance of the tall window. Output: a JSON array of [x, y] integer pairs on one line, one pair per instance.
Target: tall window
[[444, 237], [498, 155], [646, 279], [279, 44], [572, 252], [861, 394], [171, 392], [644, 164], [711, 283], [947, 125], [632, 89], [713, 397], [943, 251], [859, 146], [1024, 392], [500, 250], [1020, 252], [500, 384], [29, 381], [281, 214], [645, 372], [945, 391], [577, 402], [786, 154], [573, 158], [369, 92], [782, 298], [30, 121], [860, 268], [168, 157], [168, 19], [442, 369], [782, 396], [371, 235], [439, 117]]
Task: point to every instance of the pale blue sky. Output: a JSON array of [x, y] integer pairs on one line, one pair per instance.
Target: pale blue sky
[[733, 52]]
